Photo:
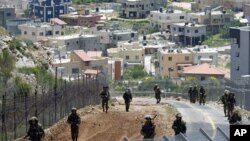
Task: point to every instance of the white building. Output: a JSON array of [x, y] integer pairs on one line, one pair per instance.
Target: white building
[[188, 33], [40, 31], [163, 19]]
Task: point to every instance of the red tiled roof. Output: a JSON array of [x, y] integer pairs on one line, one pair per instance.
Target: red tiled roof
[[91, 71], [58, 21], [204, 68], [82, 54], [94, 54]]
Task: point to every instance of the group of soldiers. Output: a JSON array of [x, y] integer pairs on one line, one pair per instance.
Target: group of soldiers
[[228, 100], [196, 95]]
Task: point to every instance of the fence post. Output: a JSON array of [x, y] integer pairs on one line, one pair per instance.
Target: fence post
[[36, 102], [14, 116], [26, 110], [4, 134], [55, 93]]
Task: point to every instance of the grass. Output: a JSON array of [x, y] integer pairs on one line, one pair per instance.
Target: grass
[[216, 41], [171, 109], [228, 65]]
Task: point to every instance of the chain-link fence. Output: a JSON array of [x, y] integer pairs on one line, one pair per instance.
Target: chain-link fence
[[49, 106]]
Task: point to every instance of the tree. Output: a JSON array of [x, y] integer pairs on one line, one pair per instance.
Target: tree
[[22, 87], [225, 30], [137, 72]]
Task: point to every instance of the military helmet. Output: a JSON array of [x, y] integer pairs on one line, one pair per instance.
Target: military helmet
[[178, 115], [148, 117], [156, 84], [73, 109], [226, 91], [33, 118]]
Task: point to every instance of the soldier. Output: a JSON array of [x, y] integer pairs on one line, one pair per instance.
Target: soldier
[[105, 98], [235, 118], [155, 87], [231, 103], [127, 96], [224, 100], [179, 125], [190, 93], [202, 96], [158, 95], [74, 120], [195, 94], [35, 132], [148, 129]]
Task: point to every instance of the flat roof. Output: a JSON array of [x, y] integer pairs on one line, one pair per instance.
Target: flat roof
[[72, 36], [175, 51], [189, 24], [165, 12]]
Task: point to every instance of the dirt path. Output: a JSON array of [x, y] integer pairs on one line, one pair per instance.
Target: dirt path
[[117, 124]]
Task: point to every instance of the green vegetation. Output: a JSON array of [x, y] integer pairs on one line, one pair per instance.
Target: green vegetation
[[137, 72], [71, 30], [228, 65], [147, 85], [3, 31], [90, 1], [222, 38], [15, 44], [22, 87]]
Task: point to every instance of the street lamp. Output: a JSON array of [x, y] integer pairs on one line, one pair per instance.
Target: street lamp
[[169, 70]]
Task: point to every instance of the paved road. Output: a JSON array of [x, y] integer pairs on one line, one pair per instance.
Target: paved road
[[206, 117]]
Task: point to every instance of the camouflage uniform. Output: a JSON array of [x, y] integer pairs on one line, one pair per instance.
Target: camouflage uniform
[[158, 95], [235, 118], [202, 96], [224, 100], [179, 125], [74, 120], [127, 96], [190, 93], [231, 102], [195, 94], [35, 132], [105, 98], [148, 129]]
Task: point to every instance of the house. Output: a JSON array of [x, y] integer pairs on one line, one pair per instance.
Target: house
[[201, 5], [203, 72], [47, 9], [81, 20], [6, 13], [170, 62], [188, 33], [12, 25], [203, 53], [39, 31], [240, 52], [81, 63], [236, 5], [162, 20], [214, 20], [139, 8], [87, 42]]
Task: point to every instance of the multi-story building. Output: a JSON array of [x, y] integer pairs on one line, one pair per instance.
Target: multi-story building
[[235, 5], [47, 9], [162, 20], [40, 31], [188, 33], [81, 62], [246, 11], [78, 41], [202, 53], [6, 14], [12, 25], [240, 52], [214, 20], [171, 62], [81, 20], [201, 5], [139, 8]]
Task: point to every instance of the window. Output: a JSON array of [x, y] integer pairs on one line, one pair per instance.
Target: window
[[33, 33], [61, 11], [25, 32], [169, 58], [87, 63], [237, 68], [168, 18], [49, 12], [152, 4], [77, 42], [199, 57], [101, 37], [41, 12], [132, 35], [237, 54], [41, 34], [186, 58], [136, 57], [75, 70], [179, 68], [196, 31], [62, 33], [182, 17], [127, 57], [68, 44], [188, 31], [57, 32], [203, 78], [174, 28], [211, 57], [8, 14]]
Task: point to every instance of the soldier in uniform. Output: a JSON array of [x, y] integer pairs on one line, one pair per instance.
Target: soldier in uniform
[[179, 125], [190, 93], [231, 103], [195, 94], [105, 98], [35, 132], [158, 95], [74, 120], [155, 87], [127, 96], [202, 95], [224, 100], [148, 129], [235, 118]]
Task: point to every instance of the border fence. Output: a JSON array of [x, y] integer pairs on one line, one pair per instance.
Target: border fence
[[49, 106]]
